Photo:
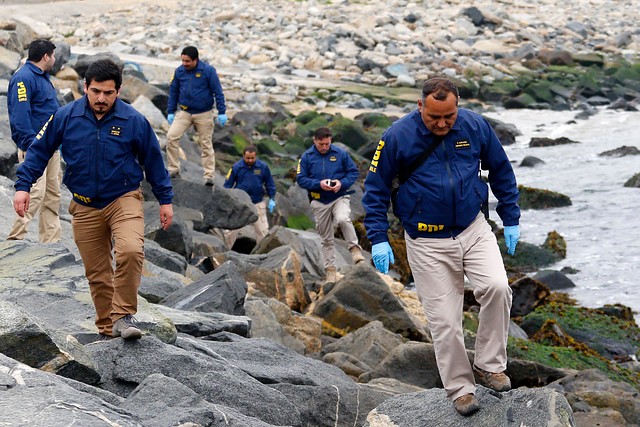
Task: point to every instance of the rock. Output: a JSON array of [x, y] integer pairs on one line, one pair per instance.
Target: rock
[[33, 397], [547, 142], [134, 87], [176, 238], [164, 258], [265, 324], [361, 297], [275, 275], [9, 62], [221, 291], [535, 408], [201, 324], [527, 295], [634, 181], [164, 401], [534, 198], [306, 244], [322, 393], [369, 344], [149, 111], [531, 161], [554, 280]]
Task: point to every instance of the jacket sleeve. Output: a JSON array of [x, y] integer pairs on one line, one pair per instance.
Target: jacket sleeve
[[304, 178], [351, 171], [216, 88], [19, 107], [231, 178], [150, 157], [377, 190], [270, 186], [501, 177], [174, 94], [39, 153]]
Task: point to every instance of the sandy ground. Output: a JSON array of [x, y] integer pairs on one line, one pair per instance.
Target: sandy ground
[[44, 10]]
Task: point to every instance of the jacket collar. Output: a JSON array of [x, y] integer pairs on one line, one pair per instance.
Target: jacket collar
[[81, 108]]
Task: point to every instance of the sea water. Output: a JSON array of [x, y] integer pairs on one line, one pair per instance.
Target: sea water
[[602, 226]]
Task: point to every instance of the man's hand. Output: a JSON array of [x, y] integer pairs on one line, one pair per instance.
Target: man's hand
[[325, 184], [170, 118], [382, 255], [166, 216], [222, 119], [336, 185], [511, 237], [21, 202]]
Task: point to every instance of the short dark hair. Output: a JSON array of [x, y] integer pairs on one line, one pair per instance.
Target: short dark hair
[[322, 132], [190, 51], [249, 149], [439, 88], [39, 48], [103, 70]]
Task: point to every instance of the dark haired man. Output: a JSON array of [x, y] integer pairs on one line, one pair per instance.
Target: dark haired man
[[107, 145], [446, 233], [327, 172], [194, 88], [254, 177], [31, 100]]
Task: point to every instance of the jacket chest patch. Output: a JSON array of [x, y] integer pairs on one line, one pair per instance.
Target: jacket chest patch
[[333, 159], [115, 130], [257, 171], [462, 145], [198, 75]]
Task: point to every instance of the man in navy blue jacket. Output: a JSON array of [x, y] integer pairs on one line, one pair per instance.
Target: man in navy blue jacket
[[446, 233], [254, 177], [31, 100], [107, 145], [194, 88], [327, 172]]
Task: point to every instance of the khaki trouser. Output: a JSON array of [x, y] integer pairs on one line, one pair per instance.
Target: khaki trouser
[[118, 227], [327, 217], [261, 226], [45, 196], [203, 123], [439, 267]]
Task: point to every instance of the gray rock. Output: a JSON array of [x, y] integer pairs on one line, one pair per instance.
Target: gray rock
[[164, 258], [223, 291], [214, 377], [177, 238], [264, 324], [32, 397], [306, 244], [164, 401], [534, 408], [199, 324], [554, 280]]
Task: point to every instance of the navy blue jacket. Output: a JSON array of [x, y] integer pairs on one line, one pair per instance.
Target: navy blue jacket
[[105, 158], [444, 194], [31, 100], [252, 179], [314, 167], [193, 91]]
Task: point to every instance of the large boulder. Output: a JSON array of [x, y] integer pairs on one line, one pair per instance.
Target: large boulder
[[530, 407], [535, 198], [221, 291], [360, 297], [275, 275], [306, 244]]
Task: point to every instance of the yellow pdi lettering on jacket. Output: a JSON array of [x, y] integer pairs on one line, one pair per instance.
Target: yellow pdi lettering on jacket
[[44, 128], [429, 228], [22, 92], [376, 156]]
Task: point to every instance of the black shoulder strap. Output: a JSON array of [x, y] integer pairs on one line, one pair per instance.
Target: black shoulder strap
[[404, 174]]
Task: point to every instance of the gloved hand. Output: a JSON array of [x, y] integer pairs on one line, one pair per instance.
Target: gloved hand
[[511, 236], [382, 255], [272, 205], [170, 118], [222, 119]]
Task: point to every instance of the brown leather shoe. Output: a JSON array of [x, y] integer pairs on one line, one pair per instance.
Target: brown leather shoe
[[331, 275], [495, 381], [356, 255], [466, 404]]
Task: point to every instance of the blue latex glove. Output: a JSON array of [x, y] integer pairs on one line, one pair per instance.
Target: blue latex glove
[[170, 118], [382, 255], [222, 119], [272, 205], [511, 236]]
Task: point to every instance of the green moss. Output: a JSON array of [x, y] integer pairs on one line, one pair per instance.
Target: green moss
[[239, 143], [569, 357], [300, 222], [556, 244]]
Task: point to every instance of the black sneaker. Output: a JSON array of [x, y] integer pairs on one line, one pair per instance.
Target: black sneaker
[[125, 327]]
